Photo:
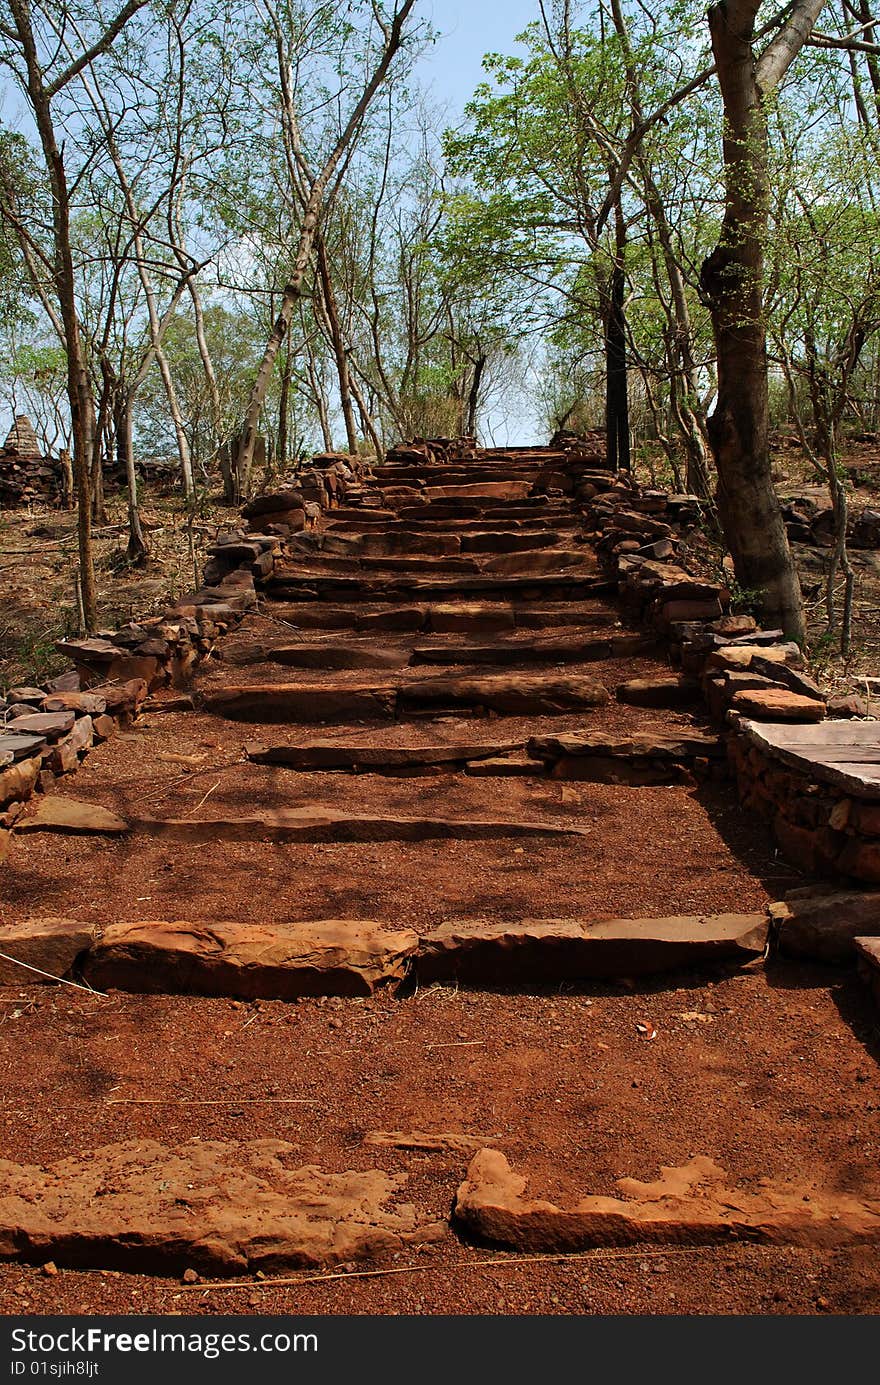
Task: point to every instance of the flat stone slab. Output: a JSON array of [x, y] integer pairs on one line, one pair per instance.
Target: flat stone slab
[[570, 649], [318, 755], [303, 702], [823, 922], [690, 1205], [777, 704], [50, 945], [324, 654], [843, 753], [502, 768], [320, 824], [55, 814], [640, 745], [551, 950], [51, 725], [17, 746], [276, 961], [515, 694], [664, 692], [219, 1207]]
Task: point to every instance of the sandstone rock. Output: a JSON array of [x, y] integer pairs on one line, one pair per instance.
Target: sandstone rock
[[122, 699], [103, 727], [281, 702], [52, 725], [822, 922], [692, 1205], [322, 824], [317, 755], [437, 1142], [777, 704], [27, 694], [324, 654], [501, 768], [741, 655], [669, 692], [19, 747], [477, 617], [89, 703], [539, 951], [57, 814], [49, 944], [271, 960], [512, 694], [18, 781], [219, 1207]]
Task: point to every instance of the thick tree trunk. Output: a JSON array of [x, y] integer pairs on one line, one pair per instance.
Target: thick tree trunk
[[731, 279]]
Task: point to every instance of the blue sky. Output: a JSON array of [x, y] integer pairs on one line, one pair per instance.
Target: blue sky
[[467, 29]]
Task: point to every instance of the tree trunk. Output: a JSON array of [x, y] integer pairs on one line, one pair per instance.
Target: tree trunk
[[393, 34], [282, 444], [731, 279], [138, 550], [474, 395], [331, 311], [616, 387], [79, 386]]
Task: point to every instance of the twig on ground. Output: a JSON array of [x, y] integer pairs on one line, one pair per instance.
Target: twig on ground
[[509, 1260], [16, 961]]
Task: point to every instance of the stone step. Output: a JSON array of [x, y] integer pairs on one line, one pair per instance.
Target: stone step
[[645, 757], [474, 617], [564, 649], [219, 1207], [535, 524], [692, 1205], [362, 544], [320, 823], [319, 654], [516, 694], [543, 951], [293, 585], [376, 759], [282, 960]]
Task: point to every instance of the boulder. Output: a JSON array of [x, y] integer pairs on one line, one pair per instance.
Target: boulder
[[822, 922]]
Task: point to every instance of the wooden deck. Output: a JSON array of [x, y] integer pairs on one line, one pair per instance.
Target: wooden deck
[[843, 753]]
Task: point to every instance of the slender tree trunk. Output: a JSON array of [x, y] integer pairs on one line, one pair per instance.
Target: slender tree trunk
[[331, 311], [207, 364], [393, 35], [138, 550], [474, 395], [368, 427], [731, 279], [283, 408], [616, 385], [79, 386]]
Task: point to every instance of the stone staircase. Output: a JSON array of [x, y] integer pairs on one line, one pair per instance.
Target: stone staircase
[[439, 659], [438, 786]]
